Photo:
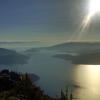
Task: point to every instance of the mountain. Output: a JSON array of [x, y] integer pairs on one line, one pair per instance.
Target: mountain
[[79, 53], [75, 46], [8, 57], [92, 58], [70, 47]]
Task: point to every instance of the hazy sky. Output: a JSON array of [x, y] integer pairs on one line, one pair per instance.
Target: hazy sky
[[44, 20]]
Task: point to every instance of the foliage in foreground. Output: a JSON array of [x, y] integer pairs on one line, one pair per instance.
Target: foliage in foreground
[[19, 87], [14, 86]]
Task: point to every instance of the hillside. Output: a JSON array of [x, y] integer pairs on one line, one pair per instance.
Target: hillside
[[71, 47], [14, 86], [92, 58], [76, 46], [8, 57]]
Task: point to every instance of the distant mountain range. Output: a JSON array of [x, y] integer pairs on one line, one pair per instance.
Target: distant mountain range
[[79, 53], [71, 47], [75, 45], [18, 42]]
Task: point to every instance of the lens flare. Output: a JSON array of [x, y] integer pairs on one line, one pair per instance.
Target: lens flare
[[94, 7]]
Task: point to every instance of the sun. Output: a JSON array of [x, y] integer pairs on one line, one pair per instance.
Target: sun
[[94, 7]]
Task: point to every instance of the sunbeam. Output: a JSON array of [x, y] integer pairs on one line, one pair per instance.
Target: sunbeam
[[93, 8]]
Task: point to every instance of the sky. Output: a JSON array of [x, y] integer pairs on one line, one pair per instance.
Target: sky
[[51, 21]]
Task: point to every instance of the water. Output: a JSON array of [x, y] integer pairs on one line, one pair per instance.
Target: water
[[88, 77], [55, 74]]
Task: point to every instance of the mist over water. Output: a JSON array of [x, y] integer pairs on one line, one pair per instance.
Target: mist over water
[[56, 73]]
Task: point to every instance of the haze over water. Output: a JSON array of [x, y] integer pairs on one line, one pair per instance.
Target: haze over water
[[56, 74]]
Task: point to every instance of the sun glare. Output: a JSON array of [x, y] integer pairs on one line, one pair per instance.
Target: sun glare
[[94, 7]]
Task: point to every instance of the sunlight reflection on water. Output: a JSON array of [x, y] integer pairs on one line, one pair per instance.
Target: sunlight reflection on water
[[88, 77]]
